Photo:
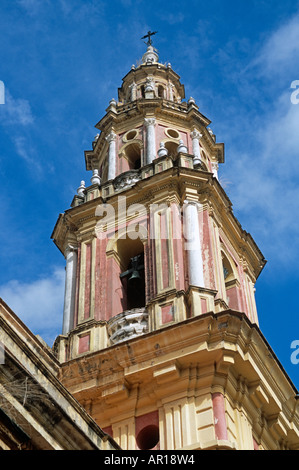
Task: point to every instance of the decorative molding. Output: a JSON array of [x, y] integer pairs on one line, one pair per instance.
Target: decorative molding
[[111, 137], [126, 180], [127, 325], [149, 121]]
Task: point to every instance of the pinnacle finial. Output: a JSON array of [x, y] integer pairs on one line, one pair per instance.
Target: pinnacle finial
[[149, 36], [151, 55]]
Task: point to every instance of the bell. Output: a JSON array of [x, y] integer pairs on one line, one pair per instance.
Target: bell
[[135, 276]]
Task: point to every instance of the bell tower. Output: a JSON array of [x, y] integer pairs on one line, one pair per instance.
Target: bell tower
[[160, 275]]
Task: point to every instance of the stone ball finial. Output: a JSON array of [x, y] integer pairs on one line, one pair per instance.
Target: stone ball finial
[[182, 147], [112, 102], [162, 152], [191, 100], [81, 189], [95, 179], [150, 56]]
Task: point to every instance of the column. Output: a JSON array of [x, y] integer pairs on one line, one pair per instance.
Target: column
[[170, 91], [215, 167], [70, 285], [196, 136], [133, 89], [193, 243], [219, 416], [111, 139], [150, 139]]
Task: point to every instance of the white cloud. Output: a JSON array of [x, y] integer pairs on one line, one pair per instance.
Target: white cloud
[[262, 163], [280, 51], [29, 154], [20, 143], [39, 304], [263, 176], [15, 111]]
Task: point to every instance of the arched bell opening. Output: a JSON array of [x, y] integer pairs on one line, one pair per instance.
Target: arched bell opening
[[130, 318], [134, 282], [132, 276], [161, 91], [133, 154], [172, 148]]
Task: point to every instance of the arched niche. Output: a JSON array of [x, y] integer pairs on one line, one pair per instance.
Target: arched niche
[[128, 253], [172, 147], [148, 438], [231, 280], [132, 152], [161, 91]]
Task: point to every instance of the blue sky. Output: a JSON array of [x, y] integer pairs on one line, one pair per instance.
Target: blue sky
[[61, 62]]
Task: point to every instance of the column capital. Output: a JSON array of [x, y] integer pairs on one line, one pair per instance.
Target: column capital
[[193, 202], [70, 249], [150, 121], [111, 137], [195, 134], [215, 167]]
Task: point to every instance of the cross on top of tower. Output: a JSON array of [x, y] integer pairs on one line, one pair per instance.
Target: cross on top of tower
[[149, 36]]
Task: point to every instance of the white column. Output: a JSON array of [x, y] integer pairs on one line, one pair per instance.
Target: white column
[[150, 139], [133, 88], [193, 243], [69, 293], [170, 91], [215, 167], [196, 136], [111, 139]]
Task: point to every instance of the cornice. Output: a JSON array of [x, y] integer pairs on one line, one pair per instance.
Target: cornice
[[175, 179], [217, 333]]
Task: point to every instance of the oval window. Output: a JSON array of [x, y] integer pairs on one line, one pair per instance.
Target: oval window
[[173, 133], [130, 135]]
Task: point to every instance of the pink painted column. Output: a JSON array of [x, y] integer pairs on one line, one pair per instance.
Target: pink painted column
[[219, 416], [178, 248], [87, 289], [164, 251], [116, 301]]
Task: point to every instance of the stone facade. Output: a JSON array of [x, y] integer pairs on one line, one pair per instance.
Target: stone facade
[[209, 382], [36, 411]]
